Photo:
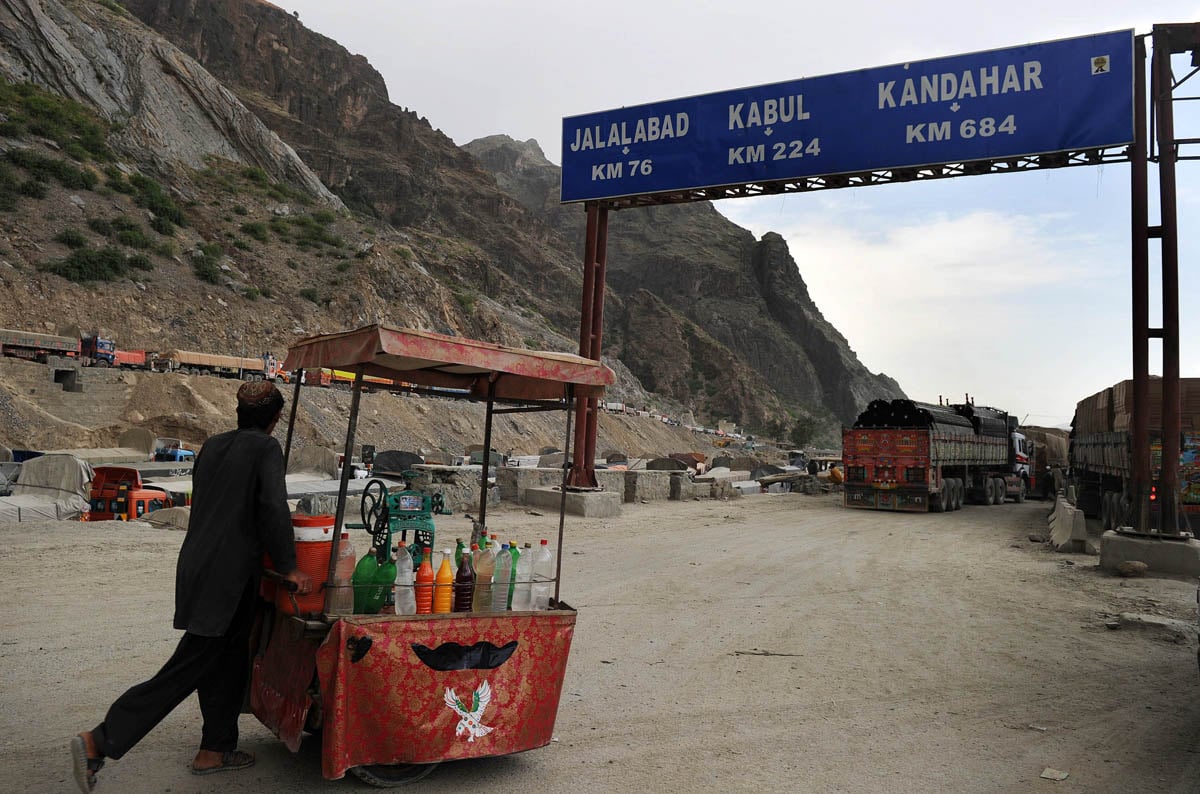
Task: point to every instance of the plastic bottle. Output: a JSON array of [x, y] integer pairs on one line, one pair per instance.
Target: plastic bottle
[[523, 582], [443, 589], [464, 585], [385, 584], [459, 548], [485, 566], [405, 596], [424, 585], [363, 579], [543, 576], [473, 556], [512, 576], [500, 579], [341, 600]]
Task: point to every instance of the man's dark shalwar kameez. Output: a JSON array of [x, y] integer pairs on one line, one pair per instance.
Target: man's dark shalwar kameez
[[239, 510]]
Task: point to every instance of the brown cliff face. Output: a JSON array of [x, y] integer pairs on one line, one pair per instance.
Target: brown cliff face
[[747, 295]]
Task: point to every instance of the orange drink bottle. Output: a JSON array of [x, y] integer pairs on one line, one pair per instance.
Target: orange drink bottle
[[424, 585], [443, 589]]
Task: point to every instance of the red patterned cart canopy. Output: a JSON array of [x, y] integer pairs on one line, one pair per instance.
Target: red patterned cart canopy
[[429, 359]]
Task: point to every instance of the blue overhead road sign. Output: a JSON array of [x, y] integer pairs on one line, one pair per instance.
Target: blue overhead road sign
[[1055, 96]]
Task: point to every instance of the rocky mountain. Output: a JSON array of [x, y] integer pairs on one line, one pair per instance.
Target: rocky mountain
[[285, 193], [747, 294]]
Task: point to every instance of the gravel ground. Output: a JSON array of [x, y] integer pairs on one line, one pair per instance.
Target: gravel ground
[[775, 643]]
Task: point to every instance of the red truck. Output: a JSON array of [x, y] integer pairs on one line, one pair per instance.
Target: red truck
[[909, 456]]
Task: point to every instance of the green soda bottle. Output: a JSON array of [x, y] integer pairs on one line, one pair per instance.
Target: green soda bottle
[[459, 548], [385, 580], [363, 578]]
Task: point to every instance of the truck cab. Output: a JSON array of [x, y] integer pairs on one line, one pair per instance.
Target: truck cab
[[98, 351], [119, 494], [172, 450]]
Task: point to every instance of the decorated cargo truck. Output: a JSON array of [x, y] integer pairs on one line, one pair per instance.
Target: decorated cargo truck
[[1101, 452], [909, 456]]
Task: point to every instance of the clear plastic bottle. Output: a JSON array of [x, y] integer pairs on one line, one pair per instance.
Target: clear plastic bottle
[[515, 553], [523, 582], [341, 600], [405, 595], [500, 579], [543, 575], [485, 566]]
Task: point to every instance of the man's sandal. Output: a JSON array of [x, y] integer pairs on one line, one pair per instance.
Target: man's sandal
[[235, 759], [86, 761]]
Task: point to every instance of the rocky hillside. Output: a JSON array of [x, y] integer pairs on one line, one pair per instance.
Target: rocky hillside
[[212, 175], [747, 294]]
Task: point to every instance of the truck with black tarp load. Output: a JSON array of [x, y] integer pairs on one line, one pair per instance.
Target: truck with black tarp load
[[910, 456], [1101, 451]]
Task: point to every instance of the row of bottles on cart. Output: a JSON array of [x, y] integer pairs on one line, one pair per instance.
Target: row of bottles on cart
[[497, 578]]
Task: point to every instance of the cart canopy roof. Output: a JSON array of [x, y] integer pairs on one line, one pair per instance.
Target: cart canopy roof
[[428, 359]]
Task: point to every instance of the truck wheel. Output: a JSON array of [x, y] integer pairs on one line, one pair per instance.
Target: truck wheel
[[937, 501], [989, 493], [1001, 490], [248, 376], [1024, 490], [958, 493]]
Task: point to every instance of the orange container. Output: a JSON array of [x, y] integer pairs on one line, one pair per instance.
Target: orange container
[[314, 543]]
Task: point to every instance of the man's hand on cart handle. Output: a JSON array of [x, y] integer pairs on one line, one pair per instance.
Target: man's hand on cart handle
[[300, 579]]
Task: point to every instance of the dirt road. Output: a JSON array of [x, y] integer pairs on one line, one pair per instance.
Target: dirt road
[[775, 643]]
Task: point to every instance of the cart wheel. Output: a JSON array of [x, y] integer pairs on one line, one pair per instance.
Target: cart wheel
[[392, 775]]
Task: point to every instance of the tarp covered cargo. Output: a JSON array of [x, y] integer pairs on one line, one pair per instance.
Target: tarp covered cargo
[[1050, 443], [429, 359], [1112, 408], [51, 486], [212, 360], [104, 455]]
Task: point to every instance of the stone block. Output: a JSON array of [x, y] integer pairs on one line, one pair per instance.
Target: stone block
[[1160, 555], [589, 504], [650, 486], [748, 487], [683, 489], [1068, 528]]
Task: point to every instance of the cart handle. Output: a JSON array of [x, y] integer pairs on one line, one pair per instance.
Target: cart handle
[[277, 578]]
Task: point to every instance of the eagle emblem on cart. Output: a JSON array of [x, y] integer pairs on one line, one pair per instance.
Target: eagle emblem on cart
[[470, 720]]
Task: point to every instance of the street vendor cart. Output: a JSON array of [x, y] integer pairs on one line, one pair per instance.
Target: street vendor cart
[[393, 695]]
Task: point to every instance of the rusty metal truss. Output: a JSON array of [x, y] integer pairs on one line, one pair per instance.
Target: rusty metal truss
[[1006, 165]]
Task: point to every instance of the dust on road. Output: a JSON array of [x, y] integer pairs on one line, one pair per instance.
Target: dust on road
[[774, 643]]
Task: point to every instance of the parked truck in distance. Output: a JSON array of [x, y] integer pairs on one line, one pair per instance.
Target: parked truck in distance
[[1048, 460], [187, 362], [36, 347], [1101, 452], [909, 456]]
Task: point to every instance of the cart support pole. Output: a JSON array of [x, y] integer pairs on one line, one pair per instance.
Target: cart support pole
[[487, 457], [562, 502], [344, 485], [287, 447]]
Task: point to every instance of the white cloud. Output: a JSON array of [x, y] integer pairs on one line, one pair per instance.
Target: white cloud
[[978, 301]]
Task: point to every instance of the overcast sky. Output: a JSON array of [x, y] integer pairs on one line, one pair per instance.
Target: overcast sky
[[1013, 288]]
